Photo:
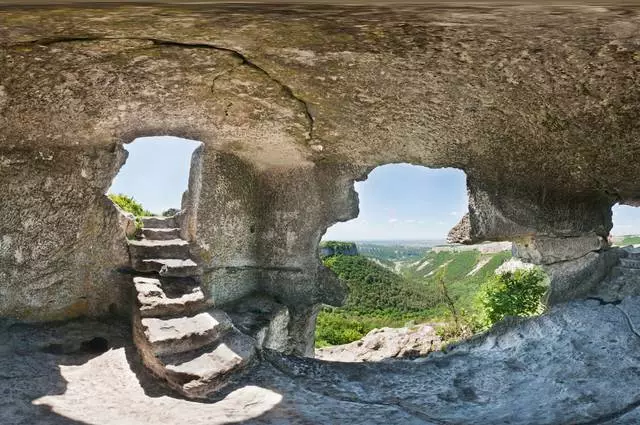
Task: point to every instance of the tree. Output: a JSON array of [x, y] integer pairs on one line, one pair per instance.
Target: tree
[[516, 293]]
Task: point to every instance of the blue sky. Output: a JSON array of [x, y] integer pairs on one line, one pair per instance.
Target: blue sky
[[402, 201], [626, 220], [397, 201], [156, 172]]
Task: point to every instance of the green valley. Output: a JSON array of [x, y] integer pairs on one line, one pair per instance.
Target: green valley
[[388, 290]]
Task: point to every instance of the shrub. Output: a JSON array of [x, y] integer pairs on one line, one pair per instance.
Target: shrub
[[333, 328], [130, 205], [513, 294]]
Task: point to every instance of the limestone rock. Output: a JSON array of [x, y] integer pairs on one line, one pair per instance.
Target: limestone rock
[[461, 232], [127, 222], [268, 88], [262, 318], [170, 336], [157, 298], [579, 278], [577, 364], [548, 250], [385, 343]]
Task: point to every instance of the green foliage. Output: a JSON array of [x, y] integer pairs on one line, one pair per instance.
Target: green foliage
[[442, 291], [335, 328], [376, 291], [513, 294], [455, 268], [377, 298], [337, 246], [130, 205], [630, 240]]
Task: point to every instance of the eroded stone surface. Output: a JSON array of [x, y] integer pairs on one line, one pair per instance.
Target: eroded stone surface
[[578, 278], [578, 364], [385, 343], [546, 250]]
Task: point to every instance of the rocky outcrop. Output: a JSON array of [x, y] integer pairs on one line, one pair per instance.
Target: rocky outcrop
[[329, 248], [384, 344]]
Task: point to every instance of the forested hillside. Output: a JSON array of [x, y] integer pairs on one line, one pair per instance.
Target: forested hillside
[[379, 297]]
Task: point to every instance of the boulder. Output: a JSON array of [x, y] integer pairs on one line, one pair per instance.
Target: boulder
[[385, 343]]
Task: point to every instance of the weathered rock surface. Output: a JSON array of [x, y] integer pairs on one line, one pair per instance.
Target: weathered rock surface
[[62, 247], [385, 343], [578, 278], [166, 297], [623, 280], [578, 364], [547, 250], [292, 103]]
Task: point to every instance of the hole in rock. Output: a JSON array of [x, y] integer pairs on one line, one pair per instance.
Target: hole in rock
[[400, 270], [155, 176], [626, 225], [95, 345]]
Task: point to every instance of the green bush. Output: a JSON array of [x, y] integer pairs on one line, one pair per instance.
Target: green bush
[[333, 328], [513, 294], [130, 205]]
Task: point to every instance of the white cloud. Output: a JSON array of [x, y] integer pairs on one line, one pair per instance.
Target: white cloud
[[454, 213], [410, 221], [393, 220]]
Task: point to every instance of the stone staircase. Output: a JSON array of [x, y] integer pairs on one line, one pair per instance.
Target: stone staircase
[[181, 338], [624, 278]]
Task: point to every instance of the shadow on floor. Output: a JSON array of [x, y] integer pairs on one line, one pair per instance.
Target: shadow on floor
[[30, 360]]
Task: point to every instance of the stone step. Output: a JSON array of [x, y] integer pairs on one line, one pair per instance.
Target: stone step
[[199, 373], [167, 267], [631, 263], [184, 334], [160, 234], [625, 272], [163, 249], [168, 297], [159, 222]]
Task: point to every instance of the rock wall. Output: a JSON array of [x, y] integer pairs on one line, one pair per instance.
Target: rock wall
[[538, 105], [62, 246]]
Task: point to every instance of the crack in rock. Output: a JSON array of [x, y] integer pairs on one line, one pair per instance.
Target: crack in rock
[[393, 403], [160, 42], [629, 322], [603, 302], [604, 419]]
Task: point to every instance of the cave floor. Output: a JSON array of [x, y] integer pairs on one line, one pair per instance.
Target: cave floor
[[577, 364]]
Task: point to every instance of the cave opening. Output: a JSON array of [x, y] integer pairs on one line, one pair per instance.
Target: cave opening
[[626, 226], [401, 271], [155, 176]]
